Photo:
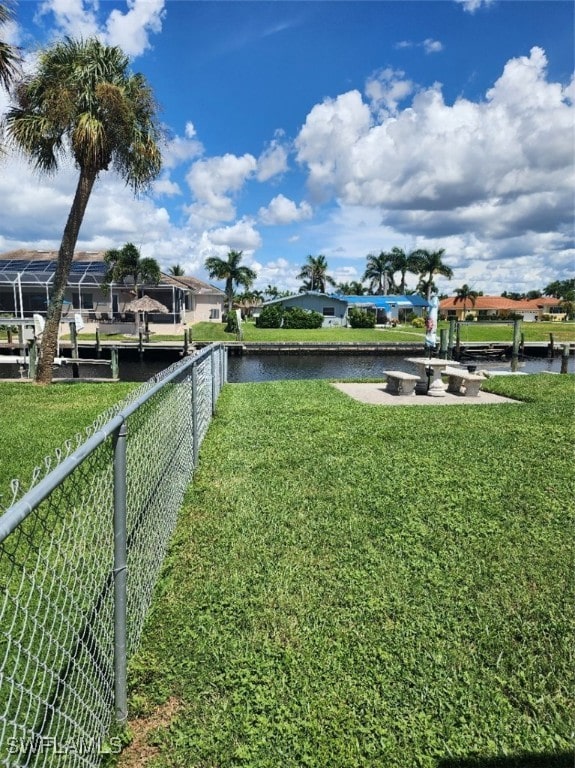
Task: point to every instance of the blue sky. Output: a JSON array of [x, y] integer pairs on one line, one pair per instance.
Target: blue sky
[[334, 127]]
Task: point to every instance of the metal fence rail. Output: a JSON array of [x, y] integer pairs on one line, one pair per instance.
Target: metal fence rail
[[80, 553]]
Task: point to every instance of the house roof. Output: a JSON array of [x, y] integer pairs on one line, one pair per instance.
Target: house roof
[[192, 283], [501, 303], [88, 268], [388, 301], [326, 296], [24, 254]]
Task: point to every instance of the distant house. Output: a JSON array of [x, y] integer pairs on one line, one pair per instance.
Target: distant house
[[390, 307], [202, 302], [501, 308], [27, 277], [333, 308]]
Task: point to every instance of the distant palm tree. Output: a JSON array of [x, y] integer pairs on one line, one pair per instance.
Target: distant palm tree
[[232, 272], [379, 271], [353, 288], [176, 271], [125, 263], [271, 291], [465, 294], [403, 263], [250, 300], [430, 263], [9, 57], [314, 274], [83, 99]]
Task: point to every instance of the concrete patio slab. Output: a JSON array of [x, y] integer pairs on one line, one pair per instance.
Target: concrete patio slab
[[376, 394]]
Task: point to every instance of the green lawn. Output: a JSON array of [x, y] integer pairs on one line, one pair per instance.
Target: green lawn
[[353, 586], [406, 333], [37, 420], [488, 332]]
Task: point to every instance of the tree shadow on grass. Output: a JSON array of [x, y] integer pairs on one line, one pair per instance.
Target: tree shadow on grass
[[563, 760]]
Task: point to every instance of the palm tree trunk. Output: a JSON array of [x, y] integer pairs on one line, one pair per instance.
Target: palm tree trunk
[[49, 341]]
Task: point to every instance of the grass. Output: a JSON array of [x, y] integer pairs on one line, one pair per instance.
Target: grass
[[353, 585], [37, 420], [488, 332]]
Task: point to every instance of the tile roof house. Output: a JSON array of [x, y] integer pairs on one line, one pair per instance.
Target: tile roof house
[[26, 278], [489, 307]]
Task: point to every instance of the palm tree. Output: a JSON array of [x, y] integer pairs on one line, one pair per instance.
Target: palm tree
[[271, 291], [430, 263], [176, 271], [83, 98], [465, 294], [379, 271], [353, 288], [314, 274], [403, 263], [250, 300], [231, 271], [126, 263], [9, 57]]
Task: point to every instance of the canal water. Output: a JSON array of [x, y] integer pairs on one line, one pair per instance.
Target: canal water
[[268, 367], [273, 367]]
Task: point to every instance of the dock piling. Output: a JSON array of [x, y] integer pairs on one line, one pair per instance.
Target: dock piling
[[565, 358]]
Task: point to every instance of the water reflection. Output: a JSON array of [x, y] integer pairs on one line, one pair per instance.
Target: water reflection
[[274, 367]]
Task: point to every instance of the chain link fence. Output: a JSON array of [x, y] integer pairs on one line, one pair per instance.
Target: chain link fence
[[80, 553]]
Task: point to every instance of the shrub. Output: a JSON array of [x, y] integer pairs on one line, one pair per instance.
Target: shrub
[[360, 318], [270, 317], [231, 323], [418, 322], [295, 317]]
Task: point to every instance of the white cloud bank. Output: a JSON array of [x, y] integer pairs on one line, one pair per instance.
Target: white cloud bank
[[130, 30], [496, 170]]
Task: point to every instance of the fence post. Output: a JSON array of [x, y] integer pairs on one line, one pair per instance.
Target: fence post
[[223, 365], [195, 413], [120, 576], [214, 382], [458, 341]]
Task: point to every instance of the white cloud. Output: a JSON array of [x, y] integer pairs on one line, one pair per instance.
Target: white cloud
[[282, 210], [331, 130], [500, 166], [473, 5], [386, 88], [272, 161], [130, 30], [241, 236], [76, 18], [429, 45], [213, 181], [432, 46], [164, 186], [178, 150]]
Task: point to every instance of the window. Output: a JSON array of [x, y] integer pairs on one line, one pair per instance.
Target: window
[[328, 311], [214, 314], [87, 301]]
